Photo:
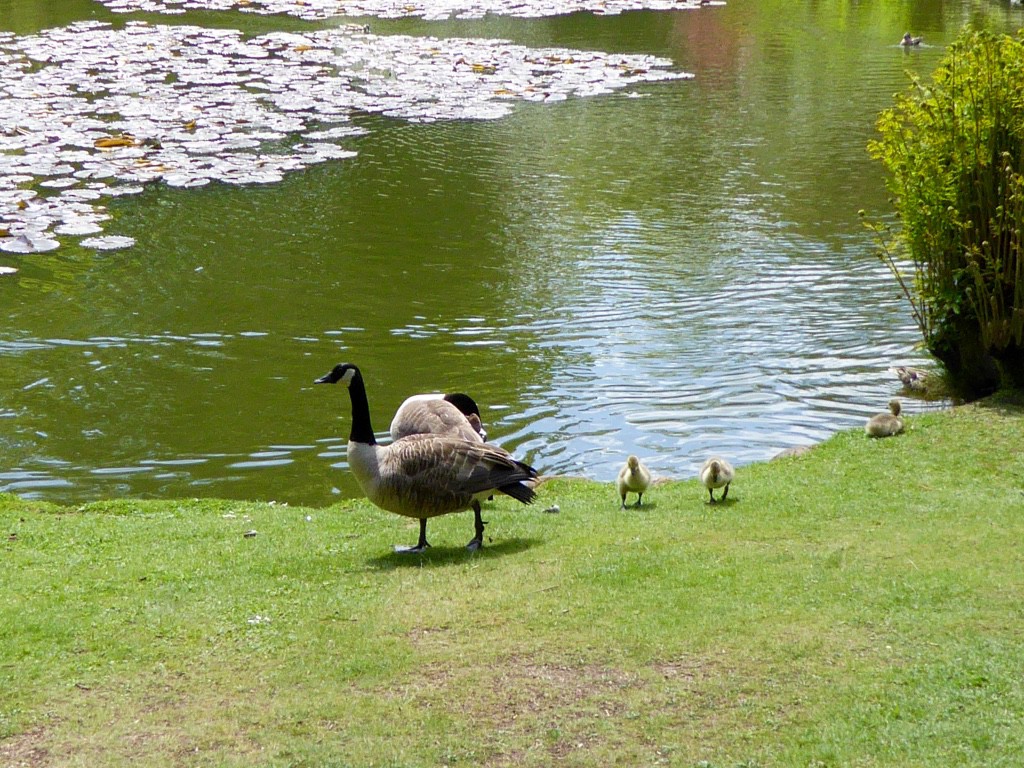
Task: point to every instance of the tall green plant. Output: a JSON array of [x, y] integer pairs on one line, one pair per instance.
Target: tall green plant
[[954, 149]]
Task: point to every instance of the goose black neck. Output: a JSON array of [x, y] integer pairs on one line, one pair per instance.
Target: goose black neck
[[362, 430]]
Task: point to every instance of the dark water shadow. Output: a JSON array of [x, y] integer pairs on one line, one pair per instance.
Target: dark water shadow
[[440, 556]]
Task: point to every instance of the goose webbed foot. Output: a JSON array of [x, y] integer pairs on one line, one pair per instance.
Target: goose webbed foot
[[725, 492], [477, 541], [417, 550], [421, 545]]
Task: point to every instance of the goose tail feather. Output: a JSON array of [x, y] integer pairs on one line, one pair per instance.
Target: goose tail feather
[[519, 492]]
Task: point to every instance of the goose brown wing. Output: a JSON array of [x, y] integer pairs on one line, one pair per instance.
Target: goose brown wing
[[432, 417], [459, 466]]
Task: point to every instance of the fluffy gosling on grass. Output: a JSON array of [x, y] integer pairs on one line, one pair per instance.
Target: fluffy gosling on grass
[[634, 477], [717, 473], [885, 424]]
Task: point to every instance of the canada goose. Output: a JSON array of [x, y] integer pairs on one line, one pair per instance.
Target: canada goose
[[452, 415], [908, 40], [911, 378], [885, 424], [716, 473], [425, 476], [634, 477]]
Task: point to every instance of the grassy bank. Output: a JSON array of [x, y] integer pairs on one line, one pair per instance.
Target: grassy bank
[[858, 605]]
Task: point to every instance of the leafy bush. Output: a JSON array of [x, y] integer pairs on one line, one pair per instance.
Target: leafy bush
[[954, 149]]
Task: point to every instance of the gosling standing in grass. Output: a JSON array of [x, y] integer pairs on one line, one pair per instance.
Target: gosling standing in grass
[[717, 473], [634, 477], [885, 424]]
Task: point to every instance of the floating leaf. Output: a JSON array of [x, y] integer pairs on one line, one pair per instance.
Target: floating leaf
[[66, 89], [78, 227], [108, 243], [115, 141], [429, 9], [28, 244]]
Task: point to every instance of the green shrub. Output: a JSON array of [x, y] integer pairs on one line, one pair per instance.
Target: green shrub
[[954, 149]]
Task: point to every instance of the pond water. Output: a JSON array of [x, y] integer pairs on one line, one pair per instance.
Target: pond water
[[672, 270]]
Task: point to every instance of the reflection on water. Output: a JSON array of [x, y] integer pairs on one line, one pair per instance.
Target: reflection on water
[[671, 273]]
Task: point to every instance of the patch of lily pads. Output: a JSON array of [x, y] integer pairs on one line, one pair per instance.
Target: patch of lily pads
[[315, 10], [89, 112]]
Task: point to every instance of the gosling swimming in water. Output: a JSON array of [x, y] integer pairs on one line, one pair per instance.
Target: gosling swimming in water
[[716, 473], [634, 477], [885, 424]]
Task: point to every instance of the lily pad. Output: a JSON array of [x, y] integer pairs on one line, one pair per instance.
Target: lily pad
[[28, 244], [90, 111], [314, 10], [109, 242], [77, 227]]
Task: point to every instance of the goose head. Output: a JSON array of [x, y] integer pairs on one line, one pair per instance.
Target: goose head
[[467, 405], [349, 375], [341, 372]]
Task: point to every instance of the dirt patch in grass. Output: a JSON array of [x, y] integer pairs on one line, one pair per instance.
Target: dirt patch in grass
[[131, 725], [539, 711], [26, 750], [687, 669], [556, 689]]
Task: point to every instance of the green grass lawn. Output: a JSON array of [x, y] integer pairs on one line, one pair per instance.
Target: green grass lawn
[[860, 605]]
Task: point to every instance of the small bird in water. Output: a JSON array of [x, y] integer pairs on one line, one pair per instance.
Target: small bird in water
[[716, 473], [634, 477], [913, 379], [908, 40], [885, 424]]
